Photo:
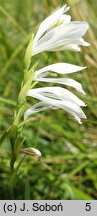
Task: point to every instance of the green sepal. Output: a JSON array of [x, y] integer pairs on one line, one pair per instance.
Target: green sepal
[[28, 78], [19, 114], [18, 145], [28, 53]]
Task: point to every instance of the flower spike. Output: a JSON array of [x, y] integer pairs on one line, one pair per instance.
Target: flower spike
[[57, 32]]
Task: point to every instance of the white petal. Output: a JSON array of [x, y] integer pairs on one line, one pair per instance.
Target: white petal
[[49, 22], [60, 68], [68, 106], [65, 18], [58, 47], [70, 96], [36, 108], [56, 92], [64, 81], [66, 44], [74, 29], [72, 47], [78, 119], [54, 98], [63, 94], [71, 30], [73, 109], [80, 41]]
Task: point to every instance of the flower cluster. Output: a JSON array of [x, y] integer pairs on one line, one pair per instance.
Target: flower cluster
[[58, 32]]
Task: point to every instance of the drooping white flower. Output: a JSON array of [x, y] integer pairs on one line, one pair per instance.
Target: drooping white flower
[[60, 68], [56, 98], [58, 32]]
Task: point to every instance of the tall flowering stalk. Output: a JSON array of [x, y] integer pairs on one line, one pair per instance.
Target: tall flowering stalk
[[55, 33], [58, 32]]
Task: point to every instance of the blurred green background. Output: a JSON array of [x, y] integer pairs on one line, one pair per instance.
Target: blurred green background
[[68, 167]]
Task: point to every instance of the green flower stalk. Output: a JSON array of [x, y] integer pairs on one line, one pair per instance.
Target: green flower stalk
[[57, 32]]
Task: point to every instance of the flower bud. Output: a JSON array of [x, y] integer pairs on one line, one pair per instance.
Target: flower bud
[[33, 152]]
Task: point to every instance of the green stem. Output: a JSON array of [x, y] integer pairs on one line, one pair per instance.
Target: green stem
[[13, 178], [12, 169], [12, 155], [16, 138], [12, 193], [16, 143]]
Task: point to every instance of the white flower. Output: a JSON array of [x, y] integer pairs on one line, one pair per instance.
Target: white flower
[[58, 32], [60, 68], [56, 98]]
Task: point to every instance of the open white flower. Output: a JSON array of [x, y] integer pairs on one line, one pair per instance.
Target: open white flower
[[56, 98], [58, 32], [60, 68]]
